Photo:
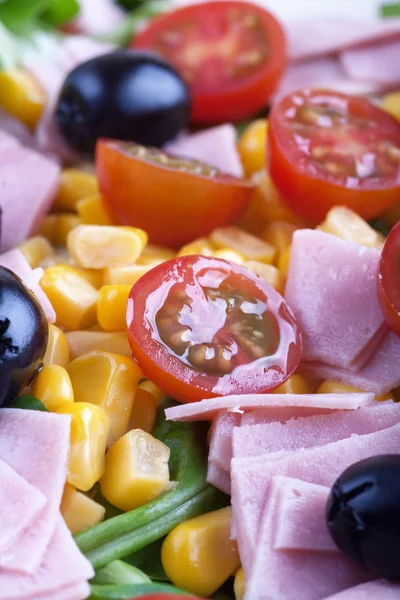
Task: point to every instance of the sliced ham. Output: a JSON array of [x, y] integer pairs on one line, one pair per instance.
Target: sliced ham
[[36, 446], [297, 574], [328, 282], [76, 591], [15, 128], [256, 440], [373, 590], [220, 452], [207, 409], [215, 146], [251, 477], [219, 478], [266, 415], [378, 63]]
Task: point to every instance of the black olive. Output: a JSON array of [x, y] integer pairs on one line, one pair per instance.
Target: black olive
[[23, 335], [363, 515], [127, 95]]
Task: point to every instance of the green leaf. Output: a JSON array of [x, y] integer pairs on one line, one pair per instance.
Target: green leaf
[[125, 592], [17, 14], [118, 572], [390, 10], [27, 402], [60, 12]]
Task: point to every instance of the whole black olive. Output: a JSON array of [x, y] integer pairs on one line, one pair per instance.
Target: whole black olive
[[23, 335], [363, 514], [127, 95]]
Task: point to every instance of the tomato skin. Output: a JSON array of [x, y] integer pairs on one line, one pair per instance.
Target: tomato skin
[[312, 196], [389, 279], [173, 207], [240, 99], [175, 377]]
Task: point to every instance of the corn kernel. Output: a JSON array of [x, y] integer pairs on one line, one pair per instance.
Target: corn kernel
[[279, 234], [22, 96], [153, 255], [79, 511], [296, 384], [385, 398], [348, 225], [36, 249], [149, 386], [109, 381], [143, 415], [57, 227], [89, 430], [391, 103], [199, 555], [100, 246], [60, 257], [247, 245], [73, 298], [136, 470], [284, 261], [92, 212], [271, 274], [52, 386], [75, 184], [252, 144], [332, 387], [111, 307], [239, 585], [57, 351], [124, 275], [228, 254], [200, 246], [92, 276], [82, 342], [47, 227]]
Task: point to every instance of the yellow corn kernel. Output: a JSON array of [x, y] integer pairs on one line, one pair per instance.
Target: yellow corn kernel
[[228, 254], [143, 415], [82, 342], [284, 260], [60, 257], [199, 555], [92, 212], [75, 184], [79, 511], [296, 384], [52, 385], [73, 298], [90, 425], [248, 246], [149, 386], [332, 387], [153, 255], [22, 96], [102, 246], [109, 381], [57, 351], [111, 307], [391, 103], [57, 227], [252, 145], [239, 585], [47, 226], [348, 225], [385, 397], [271, 274], [124, 275], [279, 234], [136, 470], [200, 246], [36, 249], [92, 276]]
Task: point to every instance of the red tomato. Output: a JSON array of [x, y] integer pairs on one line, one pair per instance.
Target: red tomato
[[232, 55], [389, 279], [173, 200], [203, 327], [326, 149]]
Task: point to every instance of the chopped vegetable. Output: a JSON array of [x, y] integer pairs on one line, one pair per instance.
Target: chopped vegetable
[[27, 402], [388, 281], [79, 511], [53, 387]]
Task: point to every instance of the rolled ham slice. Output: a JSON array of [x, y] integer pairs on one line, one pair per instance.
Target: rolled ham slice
[[378, 64], [373, 590], [219, 478], [220, 452], [207, 409], [328, 283], [79, 591], [265, 415]]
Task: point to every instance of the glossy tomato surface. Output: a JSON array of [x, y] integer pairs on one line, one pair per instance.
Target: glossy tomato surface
[[389, 279], [232, 55], [173, 200], [203, 327], [326, 149]]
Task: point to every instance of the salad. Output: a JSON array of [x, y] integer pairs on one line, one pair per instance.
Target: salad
[[199, 303]]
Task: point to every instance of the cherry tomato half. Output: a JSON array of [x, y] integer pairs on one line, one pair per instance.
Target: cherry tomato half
[[232, 55], [326, 149], [203, 327], [389, 279], [173, 200]]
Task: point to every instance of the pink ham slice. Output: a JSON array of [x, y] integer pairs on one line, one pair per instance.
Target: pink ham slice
[[215, 146], [207, 409], [251, 477], [301, 574], [97, 16], [16, 262], [265, 415], [79, 591], [328, 282], [378, 63], [36, 445], [220, 452], [219, 478], [256, 440], [373, 590], [380, 375], [63, 566]]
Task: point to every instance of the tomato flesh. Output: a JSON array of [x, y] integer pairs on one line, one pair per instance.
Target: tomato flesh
[[326, 148], [389, 279], [232, 55], [173, 200], [203, 327]]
